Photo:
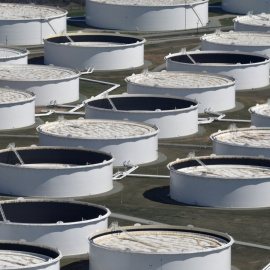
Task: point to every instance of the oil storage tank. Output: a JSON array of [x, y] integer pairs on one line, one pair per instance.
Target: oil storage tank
[[244, 6], [17, 108], [127, 141], [210, 90], [147, 15], [22, 24], [251, 42], [54, 172], [250, 22], [174, 116], [60, 224], [169, 247], [260, 115], [16, 56], [48, 83], [221, 181], [242, 141], [248, 69], [99, 51], [23, 255]]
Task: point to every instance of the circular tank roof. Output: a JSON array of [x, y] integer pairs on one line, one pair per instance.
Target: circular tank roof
[[239, 38], [226, 167], [94, 40], [262, 109], [36, 73], [51, 212], [142, 103], [161, 239], [17, 255], [6, 52], [149, 2], [28, 12], [180, 79], [8, 96], [247, 137], [259, 19], [54, 157], [97, 129]]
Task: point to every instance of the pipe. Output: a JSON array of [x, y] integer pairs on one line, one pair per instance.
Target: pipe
[[149, 176]]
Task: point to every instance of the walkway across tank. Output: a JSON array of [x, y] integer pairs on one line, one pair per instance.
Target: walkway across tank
[[156, 247], [170, 114], [60, 224], [15, 255], [54, 171], [221, 181], [128, 142]]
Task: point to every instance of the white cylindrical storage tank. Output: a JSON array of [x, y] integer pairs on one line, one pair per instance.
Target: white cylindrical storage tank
[[48, 83], [250, 22], [55, 172], [60, 224], [260, 115], [156, 247], [17, 108], [127, 141], [174, 116], [242, 141], [215, 92], [221, 181], [22, 24], [14, 56], [248, 69], [98, 51], [244, 6], [147, 15], [251, 42], [15, 255]]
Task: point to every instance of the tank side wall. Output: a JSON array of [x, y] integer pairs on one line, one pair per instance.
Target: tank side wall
[[128, 260], [17, 115], [203, 191], [143, 18]]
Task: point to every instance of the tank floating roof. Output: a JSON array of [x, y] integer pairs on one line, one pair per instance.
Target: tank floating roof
[[150, 2], [8, 96], [29, 12], [217, 57], [161, 239], [247, 137], [250, 19], [16, 255], [180, 79], [54, 157], [36, 73], [239, 38], [8, 52], [262, 109], [50, 211], [226, 167], [143, 103], [97, 129], [94, 40]]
